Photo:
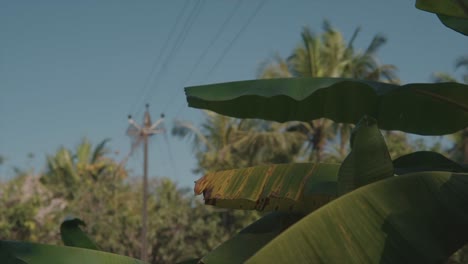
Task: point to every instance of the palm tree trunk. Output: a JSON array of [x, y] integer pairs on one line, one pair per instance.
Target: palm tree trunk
[[465, 145], [319, 142], [344, 138]]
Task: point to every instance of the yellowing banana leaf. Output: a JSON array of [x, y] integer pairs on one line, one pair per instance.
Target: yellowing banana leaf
[[30, 253], [426, 109], [248, 241], [415, 218], [294, 188]]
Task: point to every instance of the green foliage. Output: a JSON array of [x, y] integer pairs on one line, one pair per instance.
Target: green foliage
[[73, 236], [12, 252], [328, 55], [294, 187], [68, 170], [225, 143], [459, 151], [25, 214], [426, 161], [398, 144], [176, 220], [36, 205], [453, 14], [249, 240], [416, 218], [422, 108], [368, 161]]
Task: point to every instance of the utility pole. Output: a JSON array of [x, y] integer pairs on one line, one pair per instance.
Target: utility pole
[[142, 133]]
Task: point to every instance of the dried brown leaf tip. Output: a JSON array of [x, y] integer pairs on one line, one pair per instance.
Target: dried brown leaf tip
[[200, 186]]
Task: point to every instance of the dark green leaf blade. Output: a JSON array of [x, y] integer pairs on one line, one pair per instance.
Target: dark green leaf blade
[[73, 236], [368, 161], [416, 218], [248, 241], [425, 161], [453, 14], [415, 108], [31, 253], [190, 261], [458, 8], [458, 24]]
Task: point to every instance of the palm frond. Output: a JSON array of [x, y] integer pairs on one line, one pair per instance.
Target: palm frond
[[442, 77], [377, 42], [100, 150], [461, 62]]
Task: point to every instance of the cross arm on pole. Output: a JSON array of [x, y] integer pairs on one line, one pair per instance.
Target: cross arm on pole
[[133, 123]]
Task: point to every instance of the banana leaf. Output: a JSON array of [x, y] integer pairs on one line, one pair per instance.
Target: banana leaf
[[368, 161], [426, 109], [292, 188], [458, 8], [16, 252], [249, 240], [73, 236], [453, 14], [459, 25], [415, 218], [426, 161], [190, 261]]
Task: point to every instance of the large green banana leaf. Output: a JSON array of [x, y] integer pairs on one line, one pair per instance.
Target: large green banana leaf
[[190, 261], [248, 241], [368, 161], [457, 8], [415, 218], [73, 236], [460, 25], [426, 161], [295, 187], [453, 14], [14, 252], [426, 109]]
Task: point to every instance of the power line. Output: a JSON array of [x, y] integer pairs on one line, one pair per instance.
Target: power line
[[173, 49], [208, 48], [157, 60], [179, 41], [226, 50], [171, 157]]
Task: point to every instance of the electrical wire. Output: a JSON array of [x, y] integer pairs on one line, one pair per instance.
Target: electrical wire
[[171, 157], [205, 51], [244, 27], [227, 48], [179, 42], [175, 47], [146, 86]]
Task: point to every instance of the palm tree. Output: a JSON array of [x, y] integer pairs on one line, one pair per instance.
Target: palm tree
[[328, 55], [224, 142], [459, 151], [67, 171]]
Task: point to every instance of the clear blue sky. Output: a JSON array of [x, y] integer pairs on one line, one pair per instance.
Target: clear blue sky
[[74, 69]]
